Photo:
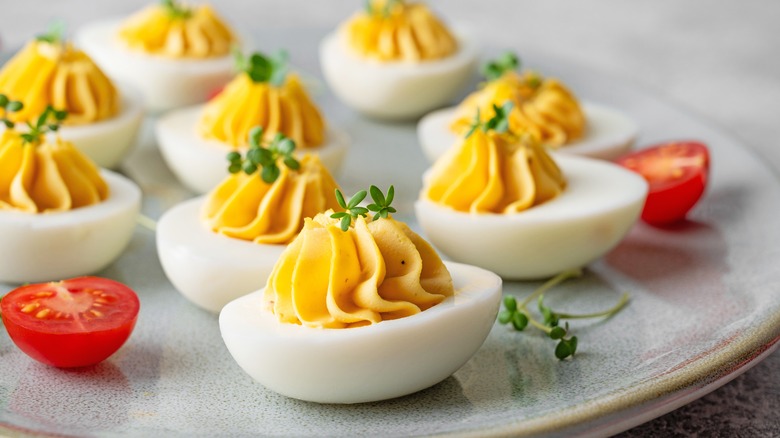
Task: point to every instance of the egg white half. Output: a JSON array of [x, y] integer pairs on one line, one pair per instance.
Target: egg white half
[[200, 164], [608, 135], [56, 246], [363, 364], [600, 204], [210, 269], [396, 90], [163, 82]]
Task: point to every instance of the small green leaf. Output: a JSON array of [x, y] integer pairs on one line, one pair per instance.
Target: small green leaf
[[557, 333], [390, 196], [374, 207], [345, 221], [286, 146], [356, 199], [505, 316], [362, 211], [60, 115], [255, 136], [377, 196], [249, 168], [3, 100], [233, 156], [339, 215], [8, 124], [563, 350], [340, 199], [510, 302], [519, 321], [270, 173], [234, 167], [292, 163]]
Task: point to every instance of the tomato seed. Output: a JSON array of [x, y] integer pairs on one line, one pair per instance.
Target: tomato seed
[[30, 307], [42, 314]]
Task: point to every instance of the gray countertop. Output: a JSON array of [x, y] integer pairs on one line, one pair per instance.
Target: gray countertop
[[716, 58]]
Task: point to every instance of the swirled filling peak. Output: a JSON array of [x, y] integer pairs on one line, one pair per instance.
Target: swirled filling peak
[[53, 73], [394, 30], [173, 30], [375, 270]]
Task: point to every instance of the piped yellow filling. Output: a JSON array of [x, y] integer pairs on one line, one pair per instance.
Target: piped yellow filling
[[245, 207], [47, 177], [494, 173], [57, 74], [199, 34], [399, 31], [374, 271], [544, 108], [244, 104]]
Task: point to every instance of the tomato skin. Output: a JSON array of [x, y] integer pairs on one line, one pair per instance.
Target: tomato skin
[[670, 198], [75, 342]]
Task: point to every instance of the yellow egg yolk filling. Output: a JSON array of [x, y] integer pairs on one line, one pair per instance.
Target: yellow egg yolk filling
[[244, 104], [544, 108], [374, 271], [47, 177], [245, 207], [399, 31], [199, 33], [494, 173], [57, 74]]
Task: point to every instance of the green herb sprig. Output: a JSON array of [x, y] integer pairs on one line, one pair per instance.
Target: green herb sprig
[[9, 106], [176, 10], [519, 316], [352, 209], [384, 11], [498, 123], [48, 121], [264, 157], [494, 69], [54, 34], [262, 68]]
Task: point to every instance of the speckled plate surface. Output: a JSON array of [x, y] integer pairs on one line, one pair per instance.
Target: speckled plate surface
[[705, 307]]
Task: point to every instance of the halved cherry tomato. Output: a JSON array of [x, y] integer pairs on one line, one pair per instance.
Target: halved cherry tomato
[[71, 323], [677, 173]]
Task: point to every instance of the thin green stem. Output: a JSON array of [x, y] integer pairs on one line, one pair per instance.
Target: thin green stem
[[563, 276], [606, 313]]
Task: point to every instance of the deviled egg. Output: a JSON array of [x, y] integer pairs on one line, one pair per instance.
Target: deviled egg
[[360, 311], [60, 216], [174, 54], [397, 60], [500, 201], [542, 107], [102, 119], [222, 246], [195, 140]]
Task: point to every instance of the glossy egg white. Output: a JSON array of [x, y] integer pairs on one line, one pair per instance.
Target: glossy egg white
[[598, 207], [164, 83], [55, 246], [210, 269], [396, 90], [363, 364], [200, 164], [608, 135]]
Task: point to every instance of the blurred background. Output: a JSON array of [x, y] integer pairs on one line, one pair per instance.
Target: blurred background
[[716, 58]]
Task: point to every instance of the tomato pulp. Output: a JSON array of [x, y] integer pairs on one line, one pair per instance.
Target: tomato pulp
[[71, 323], [677, 174]]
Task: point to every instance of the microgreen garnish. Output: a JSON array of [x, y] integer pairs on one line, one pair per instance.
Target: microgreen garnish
[[175, 9], [54, 34], [48, 121], [351, 209], [9, 106], [520, 316], [264, 157], [262, 68], [494, 69], [381, 204], [384, 11], [498, 123]]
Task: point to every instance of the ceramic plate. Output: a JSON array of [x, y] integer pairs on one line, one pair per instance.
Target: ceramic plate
[[704, 308]]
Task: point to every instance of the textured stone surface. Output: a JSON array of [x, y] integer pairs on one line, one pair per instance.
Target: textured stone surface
[[717, 58]]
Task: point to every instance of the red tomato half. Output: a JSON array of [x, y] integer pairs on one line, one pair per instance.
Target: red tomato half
[[677, 174], [71, 323]]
